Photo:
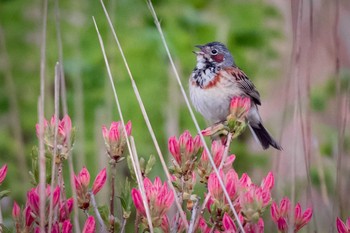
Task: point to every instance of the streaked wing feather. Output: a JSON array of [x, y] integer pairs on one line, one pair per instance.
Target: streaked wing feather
[[245, 84]]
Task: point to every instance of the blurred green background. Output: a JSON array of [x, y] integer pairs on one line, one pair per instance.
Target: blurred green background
[[258, 33]]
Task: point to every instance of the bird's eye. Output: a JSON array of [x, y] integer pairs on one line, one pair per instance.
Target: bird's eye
[[214, 52]]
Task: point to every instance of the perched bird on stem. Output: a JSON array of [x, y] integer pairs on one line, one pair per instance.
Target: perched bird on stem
[[215, 81]]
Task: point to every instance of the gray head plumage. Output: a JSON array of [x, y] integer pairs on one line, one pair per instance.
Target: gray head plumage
[[216, 52]]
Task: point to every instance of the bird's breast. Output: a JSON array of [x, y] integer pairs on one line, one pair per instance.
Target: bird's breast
[[212, 98]]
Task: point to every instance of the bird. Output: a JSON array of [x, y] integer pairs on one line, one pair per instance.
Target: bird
[[215, 80]]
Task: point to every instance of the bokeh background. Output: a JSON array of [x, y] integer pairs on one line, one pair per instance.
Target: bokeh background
[[296, 52]]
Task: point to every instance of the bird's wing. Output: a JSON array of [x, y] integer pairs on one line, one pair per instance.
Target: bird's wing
[[244, 83]]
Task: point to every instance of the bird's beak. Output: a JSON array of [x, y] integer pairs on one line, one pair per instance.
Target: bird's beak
[[201, 52]]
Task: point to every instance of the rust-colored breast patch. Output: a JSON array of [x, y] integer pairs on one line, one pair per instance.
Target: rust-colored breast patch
[[213, 82]]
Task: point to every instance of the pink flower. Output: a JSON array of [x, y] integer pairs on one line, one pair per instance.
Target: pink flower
[[174, 149], [281, 218], [203, 226], [29, 219], [16, 211], [343, 227], [100, 181], [90, 225], [185, 149], [115, 139], [240, 107], [159, 199], [268, 182], [67, 226], [255, 227], [33, 198], [165, 224], [64, 131], [230, 180], [3, 172], [65, 208], [301, 219], [228, 224], [217, 151], [55, 228]]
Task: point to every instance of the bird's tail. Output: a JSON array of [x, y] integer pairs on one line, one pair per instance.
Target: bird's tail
[[263, 136]]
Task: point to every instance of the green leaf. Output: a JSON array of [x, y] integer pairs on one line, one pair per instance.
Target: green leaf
[[4, 193], [132, 173], [104, 212], [150, 163], [4, 229]]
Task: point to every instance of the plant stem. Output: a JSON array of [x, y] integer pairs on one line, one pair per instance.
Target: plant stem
[[137, 223], [97, 213], [123, 225], [227, 148], [194, 216], [111, 199]]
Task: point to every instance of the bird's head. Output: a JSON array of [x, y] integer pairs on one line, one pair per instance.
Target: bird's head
[[215, 53]]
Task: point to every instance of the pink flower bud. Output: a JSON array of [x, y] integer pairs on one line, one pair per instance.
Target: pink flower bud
[[16, 211], [228, 224], [203, 226], [37, 128], [207, 132], [3, 172], [90, 225], [84, 177], [65, 209], [56, 195], [128, 127], [186, 136], [217, 150], [137, 199], [245, 180], [197, 143], [284, 207], [174, 149], [100, 181], [105, 133], [114, 134], [240, 106], [214, 187], [77, 183], [28, 216], [268, 182], [231, 182], [301, 221], [33, 201], [55, 228], [165, 224], [65, 126], [342, 227], [282, 224], [67, 227], [274, 212]]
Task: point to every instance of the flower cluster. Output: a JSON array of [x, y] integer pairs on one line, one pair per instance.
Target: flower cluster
[[29, 220], [159, 199], [249, 199], [115, 139], [217, 151], [64, 136], [82, 182], [280, 215], [185, 152]]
